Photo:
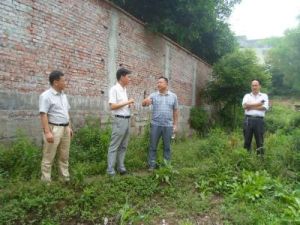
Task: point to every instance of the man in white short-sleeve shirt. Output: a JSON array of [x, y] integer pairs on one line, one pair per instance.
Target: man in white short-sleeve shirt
[[120, 108], [255, 105]]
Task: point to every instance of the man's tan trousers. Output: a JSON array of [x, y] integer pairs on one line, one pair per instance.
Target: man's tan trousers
[[61, 146]]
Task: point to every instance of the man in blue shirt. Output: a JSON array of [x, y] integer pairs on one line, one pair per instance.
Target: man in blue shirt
[[164, 119]]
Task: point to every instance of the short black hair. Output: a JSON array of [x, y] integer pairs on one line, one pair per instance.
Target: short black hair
[[166, 79], [55, 75], [122, 72], [256, 80]]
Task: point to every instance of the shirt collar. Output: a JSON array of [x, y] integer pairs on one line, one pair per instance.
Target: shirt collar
[[167, 93], [119, 86], [55, 92], [258, 94]]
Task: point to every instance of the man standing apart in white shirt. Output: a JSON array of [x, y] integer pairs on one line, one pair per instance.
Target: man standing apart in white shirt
[[54, 112], [120, 108], [255, 105]]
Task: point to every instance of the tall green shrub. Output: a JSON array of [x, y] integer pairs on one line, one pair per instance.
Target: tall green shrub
[[22, 159], [91, 142], [199, 119]]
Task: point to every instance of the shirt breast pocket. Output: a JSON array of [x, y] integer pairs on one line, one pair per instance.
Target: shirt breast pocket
[[119, 98], [157, 102], [52, 106]]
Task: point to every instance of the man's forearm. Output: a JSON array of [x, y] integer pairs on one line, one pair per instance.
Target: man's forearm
[[260, 108], [255, 106], [114, 106], [146, 102], [70, 123], [175, 117], [45, 122]]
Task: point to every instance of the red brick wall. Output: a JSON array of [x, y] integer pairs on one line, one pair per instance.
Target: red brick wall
[[39, 36], [80, 38]]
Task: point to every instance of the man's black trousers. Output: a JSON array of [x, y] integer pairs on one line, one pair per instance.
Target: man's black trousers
[[254, 125]]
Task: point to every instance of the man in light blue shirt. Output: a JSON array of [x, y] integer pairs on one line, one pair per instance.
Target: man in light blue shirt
[[55, 120], [164, 120]]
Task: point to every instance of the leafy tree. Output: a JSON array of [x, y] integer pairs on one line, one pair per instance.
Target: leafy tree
[[232, 77], [215, 44], [284, 63], [278, 86], [198, 25]]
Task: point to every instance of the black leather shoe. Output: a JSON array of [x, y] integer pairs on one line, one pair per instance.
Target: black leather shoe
[[122, 173]]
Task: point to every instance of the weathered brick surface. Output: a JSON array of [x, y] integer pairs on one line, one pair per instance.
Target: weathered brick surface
[[88, 40]]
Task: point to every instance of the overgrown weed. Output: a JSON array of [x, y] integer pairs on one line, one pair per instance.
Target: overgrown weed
[[253, 190]]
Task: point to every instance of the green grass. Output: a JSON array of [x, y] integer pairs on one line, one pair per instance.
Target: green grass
[[211, 180]]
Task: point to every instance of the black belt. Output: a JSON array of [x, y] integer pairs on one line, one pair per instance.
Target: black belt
[[257, 117], [124, 117], [60, 124]]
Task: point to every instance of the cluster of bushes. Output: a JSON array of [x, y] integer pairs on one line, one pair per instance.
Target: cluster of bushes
[[199, 119], [282, 119], [88, 153], [20, 160], [253, 190]]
